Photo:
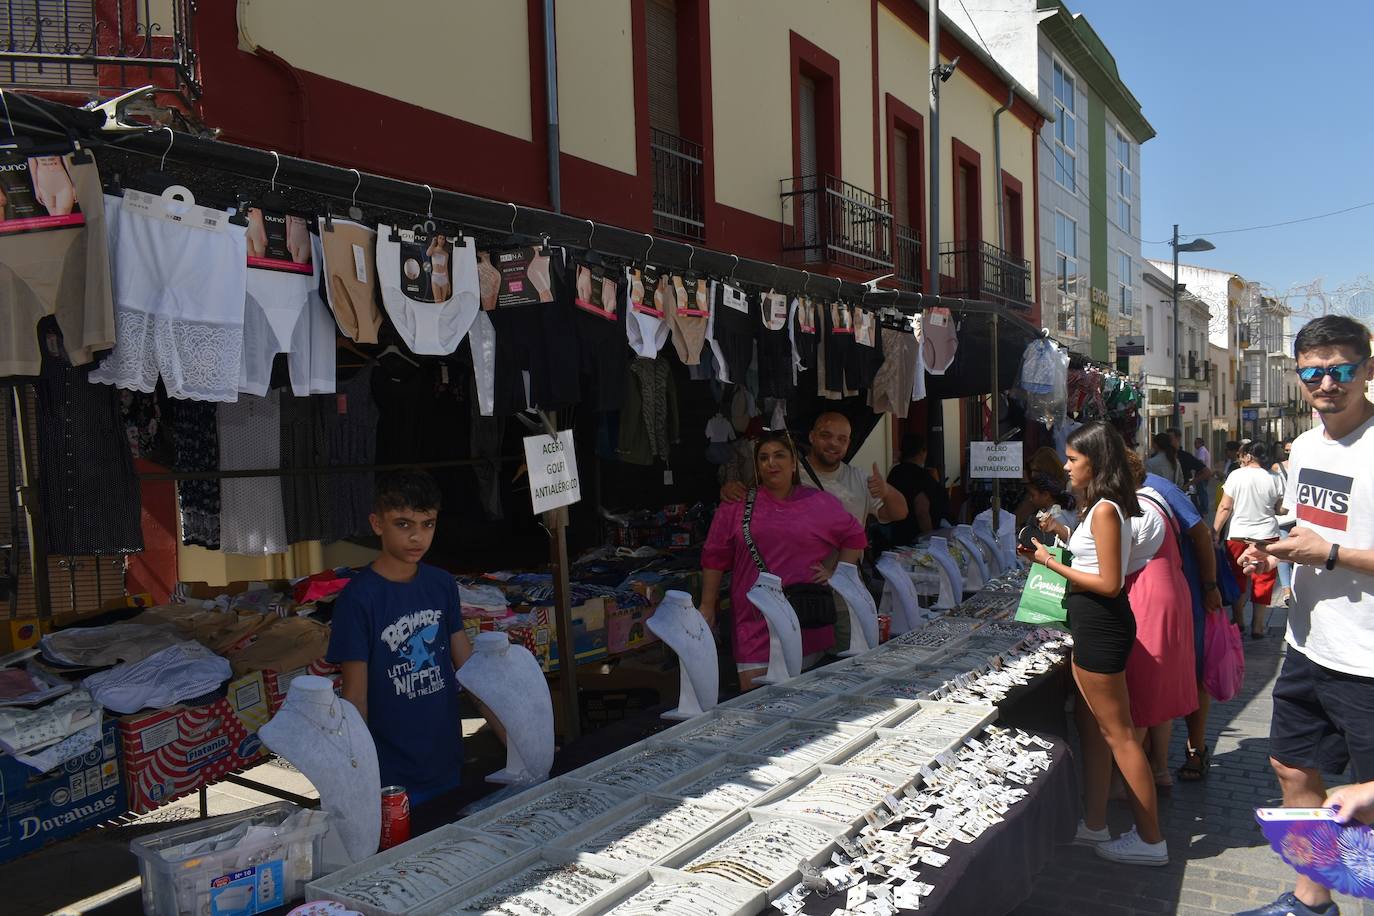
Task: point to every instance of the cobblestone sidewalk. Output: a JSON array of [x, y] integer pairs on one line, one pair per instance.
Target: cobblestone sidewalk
[[1219, 861]]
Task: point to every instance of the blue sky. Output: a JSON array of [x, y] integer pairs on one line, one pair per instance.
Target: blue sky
[[1263, 114]]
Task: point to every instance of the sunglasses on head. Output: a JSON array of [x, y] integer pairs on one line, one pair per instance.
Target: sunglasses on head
[[1343, 373]]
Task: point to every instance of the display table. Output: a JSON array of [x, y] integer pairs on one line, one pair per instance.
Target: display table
[[994, 873]]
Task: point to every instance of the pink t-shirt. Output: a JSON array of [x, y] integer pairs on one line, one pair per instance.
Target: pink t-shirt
[[792, 536]]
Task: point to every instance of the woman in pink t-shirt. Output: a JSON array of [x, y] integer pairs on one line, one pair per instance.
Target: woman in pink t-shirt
[[801, 534]]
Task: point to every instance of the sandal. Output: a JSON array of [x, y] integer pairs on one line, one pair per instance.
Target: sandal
[[1194, 768]]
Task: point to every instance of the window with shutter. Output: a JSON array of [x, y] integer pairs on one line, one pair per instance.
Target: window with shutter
[[901, 176], [661, 32]]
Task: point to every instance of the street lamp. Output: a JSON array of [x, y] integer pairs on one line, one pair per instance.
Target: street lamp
[[1195, 245]]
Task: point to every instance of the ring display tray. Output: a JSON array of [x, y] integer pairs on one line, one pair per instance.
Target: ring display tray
[[808, 841], [836, 795], [736, 780], [803, 742], [719, 730], [859, 711], [777, 700], [651, 829], [665, 892], [545, 813], [530, 883]]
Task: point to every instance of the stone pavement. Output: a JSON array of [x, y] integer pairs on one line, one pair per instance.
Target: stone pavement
[[1220, 863]]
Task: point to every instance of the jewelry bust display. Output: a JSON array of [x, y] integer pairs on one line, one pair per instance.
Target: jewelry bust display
[[784, 632], [510, 683], [678, 623], [324, 737], [863, 613]]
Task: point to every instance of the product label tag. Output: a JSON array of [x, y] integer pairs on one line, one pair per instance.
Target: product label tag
[[38, 194], [278, 241], [360, 263]]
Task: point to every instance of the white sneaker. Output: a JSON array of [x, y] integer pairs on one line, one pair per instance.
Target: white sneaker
[[1130, 849], [1087, 837]]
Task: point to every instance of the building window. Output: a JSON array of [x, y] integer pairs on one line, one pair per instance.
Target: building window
[[1065, 129], [1149, 328], [1125, 279], [1125, 181], [1066, 272]]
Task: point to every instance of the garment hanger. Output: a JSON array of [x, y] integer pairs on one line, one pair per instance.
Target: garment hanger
[[355, 212]]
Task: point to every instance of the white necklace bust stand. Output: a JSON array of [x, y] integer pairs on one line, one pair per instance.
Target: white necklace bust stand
[[784, 631], [863, 613], [1006, 535], [906, 604], [510, 683], [978, 567], [950, 577], [678, 623], [324, 737], [993, 550]]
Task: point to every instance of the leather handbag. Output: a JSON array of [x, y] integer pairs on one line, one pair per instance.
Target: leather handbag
[[814, 602]]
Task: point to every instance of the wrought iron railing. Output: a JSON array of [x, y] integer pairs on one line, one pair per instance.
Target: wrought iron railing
[[99, 47], [907, 249], [679, 194], [826, 220], [978, 270]]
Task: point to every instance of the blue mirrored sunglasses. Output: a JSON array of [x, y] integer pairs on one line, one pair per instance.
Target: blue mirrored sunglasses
[[1342, 374]]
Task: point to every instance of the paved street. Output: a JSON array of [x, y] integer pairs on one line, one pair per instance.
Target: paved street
[[1220, 862]]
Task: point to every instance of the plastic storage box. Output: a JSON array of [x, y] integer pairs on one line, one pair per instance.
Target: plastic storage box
[[263, 870]]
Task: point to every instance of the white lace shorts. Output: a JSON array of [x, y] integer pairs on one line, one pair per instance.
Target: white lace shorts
[[179, 296]]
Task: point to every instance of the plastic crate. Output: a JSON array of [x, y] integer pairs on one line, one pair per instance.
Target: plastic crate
[[223, 882]]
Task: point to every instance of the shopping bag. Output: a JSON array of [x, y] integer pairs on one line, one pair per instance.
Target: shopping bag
[[1042, 600], [1223, 657]]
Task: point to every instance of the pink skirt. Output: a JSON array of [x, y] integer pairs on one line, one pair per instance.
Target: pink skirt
[[1161, 673]]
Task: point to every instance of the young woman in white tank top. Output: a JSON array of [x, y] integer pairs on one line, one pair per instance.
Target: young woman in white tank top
[[1103, 629]]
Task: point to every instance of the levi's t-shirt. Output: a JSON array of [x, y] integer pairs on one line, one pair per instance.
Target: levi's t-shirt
[[402, 631], [1331, 491]]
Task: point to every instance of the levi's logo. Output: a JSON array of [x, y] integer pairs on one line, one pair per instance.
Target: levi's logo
[[1324, 498]]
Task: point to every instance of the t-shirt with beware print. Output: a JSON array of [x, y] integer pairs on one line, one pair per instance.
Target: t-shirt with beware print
[[402, 631], [1331, 491]]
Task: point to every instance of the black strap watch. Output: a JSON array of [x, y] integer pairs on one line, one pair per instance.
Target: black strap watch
[[1332, 556]]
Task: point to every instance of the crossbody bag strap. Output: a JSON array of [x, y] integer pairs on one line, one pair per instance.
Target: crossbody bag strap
[[1174, 524], [812, 474], [748, 536]]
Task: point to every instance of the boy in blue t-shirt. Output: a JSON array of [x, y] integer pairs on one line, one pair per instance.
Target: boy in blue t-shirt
[[398, 635]]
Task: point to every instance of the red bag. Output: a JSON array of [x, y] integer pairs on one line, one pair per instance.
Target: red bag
[[1223, 658]]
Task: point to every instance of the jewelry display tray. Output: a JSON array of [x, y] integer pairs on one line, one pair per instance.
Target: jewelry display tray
[[834, 710], [758, 745], [592, 772], [447, 905], [894, 785], [832, 680], [325, 888], [533, 794], [745, 701], [687, 732], [907, 723], [679, 860], [674, 787], [573, 839], [746, 903], [846, 759]]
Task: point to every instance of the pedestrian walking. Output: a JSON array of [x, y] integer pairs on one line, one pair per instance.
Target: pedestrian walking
[[1250, 505], [1323, 719], [1286, 521]]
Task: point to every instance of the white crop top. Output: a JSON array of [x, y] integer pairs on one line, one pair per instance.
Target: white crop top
[[1084, 546]]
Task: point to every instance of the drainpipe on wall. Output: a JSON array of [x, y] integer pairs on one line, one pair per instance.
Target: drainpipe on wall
[[997, 164], [551, 91]]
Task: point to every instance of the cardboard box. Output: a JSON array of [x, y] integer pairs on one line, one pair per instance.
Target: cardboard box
[[40, 808], [278, 682], [625, 629], [171, 752]]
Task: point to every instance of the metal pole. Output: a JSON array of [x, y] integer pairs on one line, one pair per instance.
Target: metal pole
[[934, 182], [556, 522], [996, 434], [551, 83], [1174, 417]]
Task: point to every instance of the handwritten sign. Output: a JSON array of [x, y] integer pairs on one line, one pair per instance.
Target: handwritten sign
[[995, 459], [552, 464]]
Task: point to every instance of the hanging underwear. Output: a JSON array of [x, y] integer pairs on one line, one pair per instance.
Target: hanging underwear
[[283, 313], [939, 340], [689, 313], [775, 346], [59, 266], [646, 325], [804, 333], [179, 294], [350, 258], [893, 385], [529, 301], [732, 329], [866, 356], [431, 306], [600, 319], [252, 516], [838, 344]]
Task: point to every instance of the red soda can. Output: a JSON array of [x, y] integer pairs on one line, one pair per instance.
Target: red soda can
[[395, 816]]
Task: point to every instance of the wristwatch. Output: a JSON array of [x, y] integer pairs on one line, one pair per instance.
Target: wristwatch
[[1331, 557]]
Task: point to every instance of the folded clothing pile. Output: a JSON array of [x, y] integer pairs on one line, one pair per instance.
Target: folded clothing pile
[[167, 677], [25, 731], [100, 647]]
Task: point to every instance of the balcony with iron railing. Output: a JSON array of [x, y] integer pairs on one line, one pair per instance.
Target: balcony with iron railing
[[907, 248], [979, 270], [829, 221], [99, 48], [679, 194]]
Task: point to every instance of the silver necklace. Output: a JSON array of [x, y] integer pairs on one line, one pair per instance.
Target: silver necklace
[[344, 731]]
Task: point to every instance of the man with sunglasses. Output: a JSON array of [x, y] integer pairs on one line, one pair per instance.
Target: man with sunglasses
[[1323, 717]]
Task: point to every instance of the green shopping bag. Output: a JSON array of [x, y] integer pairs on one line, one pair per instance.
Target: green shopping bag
[[1042, 600]]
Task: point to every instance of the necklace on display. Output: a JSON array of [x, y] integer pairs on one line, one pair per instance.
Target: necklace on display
[[343, 731]]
